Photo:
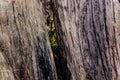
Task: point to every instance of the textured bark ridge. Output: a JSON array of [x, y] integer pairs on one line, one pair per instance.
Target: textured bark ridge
[[87, 38], [24, 46]]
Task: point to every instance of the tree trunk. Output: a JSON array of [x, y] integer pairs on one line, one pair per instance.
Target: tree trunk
[[88, 38], [25, 52]]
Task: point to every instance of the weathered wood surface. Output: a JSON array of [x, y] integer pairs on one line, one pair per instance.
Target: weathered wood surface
[[24, 45], [88, 38]]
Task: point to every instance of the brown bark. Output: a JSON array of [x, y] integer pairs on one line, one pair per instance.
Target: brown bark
[[88, 38], [24, 47]]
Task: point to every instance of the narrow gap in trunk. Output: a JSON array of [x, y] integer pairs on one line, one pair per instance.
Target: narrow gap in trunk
[[52, 35]]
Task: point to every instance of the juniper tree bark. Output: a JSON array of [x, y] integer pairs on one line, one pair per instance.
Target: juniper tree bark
[[88, 38], [25, 52]]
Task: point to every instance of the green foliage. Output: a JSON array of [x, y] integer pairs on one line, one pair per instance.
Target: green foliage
[[53, 38], [52, 35]]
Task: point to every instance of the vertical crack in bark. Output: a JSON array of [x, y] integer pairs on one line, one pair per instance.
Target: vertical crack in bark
[[64, 56]]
